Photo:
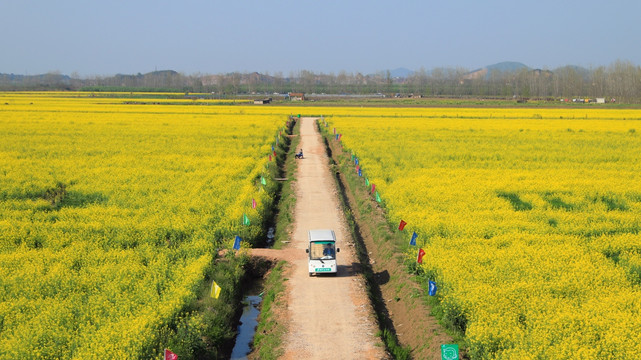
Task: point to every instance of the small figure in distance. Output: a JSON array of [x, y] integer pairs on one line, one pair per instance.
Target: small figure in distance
[[300, 154]]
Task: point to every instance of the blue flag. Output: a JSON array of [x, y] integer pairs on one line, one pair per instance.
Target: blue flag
[[237, 243], [360, 172], [432, 289], [272, 147], [413, 239], [356, 160]]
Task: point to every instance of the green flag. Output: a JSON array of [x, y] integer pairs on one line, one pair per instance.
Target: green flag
[[245, 219], [449, 352], [366, 182], [378, 198], [262, 181]]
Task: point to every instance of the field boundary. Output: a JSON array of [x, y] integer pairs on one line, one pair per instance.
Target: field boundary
[[407, 325]]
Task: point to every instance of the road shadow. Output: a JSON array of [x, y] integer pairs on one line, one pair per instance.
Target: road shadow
[[381, 277], [343, 271]]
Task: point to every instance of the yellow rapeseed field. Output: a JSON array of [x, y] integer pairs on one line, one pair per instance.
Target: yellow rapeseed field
[[530, 219], [110, 214]]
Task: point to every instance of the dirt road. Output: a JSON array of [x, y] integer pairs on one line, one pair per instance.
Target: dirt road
[[328, 317]]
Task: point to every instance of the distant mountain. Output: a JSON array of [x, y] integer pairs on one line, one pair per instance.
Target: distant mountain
[[41, 78], [581, 71], [485, 72], [507, 66], [401, 72]]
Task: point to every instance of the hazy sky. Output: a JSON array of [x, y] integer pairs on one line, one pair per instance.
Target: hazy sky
[[197, 36]]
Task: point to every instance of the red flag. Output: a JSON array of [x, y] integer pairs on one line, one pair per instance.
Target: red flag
[[170, 355], [419, 258], [401, 226], [270, 157], [340, 136], [274, 153], [253, 203], [373, 188]]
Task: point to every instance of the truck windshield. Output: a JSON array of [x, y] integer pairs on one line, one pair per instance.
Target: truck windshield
[[323, 250]]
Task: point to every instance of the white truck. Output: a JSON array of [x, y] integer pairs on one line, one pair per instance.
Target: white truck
[[322, 252]]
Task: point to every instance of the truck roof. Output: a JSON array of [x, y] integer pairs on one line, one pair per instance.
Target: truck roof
[[320, 235]]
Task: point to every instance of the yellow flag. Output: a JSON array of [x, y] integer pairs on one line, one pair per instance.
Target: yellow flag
[[215, 290]]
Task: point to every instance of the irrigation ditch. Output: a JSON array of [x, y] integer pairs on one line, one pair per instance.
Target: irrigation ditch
[[406, 324], [408, 319]]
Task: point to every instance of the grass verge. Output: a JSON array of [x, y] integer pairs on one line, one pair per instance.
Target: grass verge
[[386, 329], [268, 339], [287, 201], [269, 333]]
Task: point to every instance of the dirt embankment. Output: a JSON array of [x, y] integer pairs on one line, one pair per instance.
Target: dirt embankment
[[332, 317]]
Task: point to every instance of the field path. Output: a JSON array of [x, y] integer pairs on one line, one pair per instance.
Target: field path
[[328, 317]]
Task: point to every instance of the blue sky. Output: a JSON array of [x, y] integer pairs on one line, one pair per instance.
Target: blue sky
[[209, 37]]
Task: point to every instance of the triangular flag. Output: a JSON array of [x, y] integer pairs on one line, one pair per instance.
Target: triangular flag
[[378, 198], [401, 225], [366, 182], [360, 172], [270, 157], [419, 258], [432, 288], [237, 241], [413, 239], [336, 136], [253, 203], [215, 290], [272, 147], [334, 130], [340, 136], [246, 220], [373, 188], [170, 355], [262, 181]]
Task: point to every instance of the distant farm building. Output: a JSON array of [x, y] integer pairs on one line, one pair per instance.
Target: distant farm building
[[296, 96], [263, 101]]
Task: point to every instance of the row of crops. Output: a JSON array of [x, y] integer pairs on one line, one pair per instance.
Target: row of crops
[[111, 213], [529, 218]]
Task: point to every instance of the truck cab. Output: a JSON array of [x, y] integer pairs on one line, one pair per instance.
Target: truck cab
[[322, 252]]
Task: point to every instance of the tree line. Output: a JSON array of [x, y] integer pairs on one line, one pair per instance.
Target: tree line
[[620, 80]]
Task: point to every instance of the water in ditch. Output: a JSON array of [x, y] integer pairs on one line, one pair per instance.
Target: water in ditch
[[246, 327]]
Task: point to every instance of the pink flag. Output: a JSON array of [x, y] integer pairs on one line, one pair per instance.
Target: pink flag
[[170, 355], [253, 203], [419, 258], [373, 188], [334, 131], [340, 136], [270, 157], [401, 226]]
